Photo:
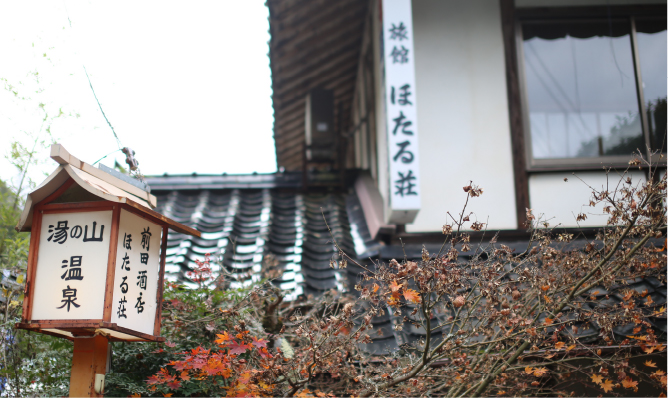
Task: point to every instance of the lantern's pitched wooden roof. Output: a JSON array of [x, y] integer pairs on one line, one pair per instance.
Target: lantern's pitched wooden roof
[[314, 43], [96, 182]]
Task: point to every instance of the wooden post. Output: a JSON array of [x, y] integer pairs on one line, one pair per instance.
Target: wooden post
[[89, 359]]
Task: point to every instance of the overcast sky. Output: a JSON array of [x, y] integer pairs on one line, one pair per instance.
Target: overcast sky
[[186, 85]]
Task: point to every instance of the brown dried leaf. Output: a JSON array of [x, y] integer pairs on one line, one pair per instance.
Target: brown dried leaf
[[629, 383], [538, 372], [607, 385], [412, 296]]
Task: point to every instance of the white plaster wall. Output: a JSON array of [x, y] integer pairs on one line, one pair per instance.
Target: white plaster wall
[[462, 113], [560, 201]]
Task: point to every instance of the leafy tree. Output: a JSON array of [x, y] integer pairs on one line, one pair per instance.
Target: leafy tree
[[191, 318], [32, 364]]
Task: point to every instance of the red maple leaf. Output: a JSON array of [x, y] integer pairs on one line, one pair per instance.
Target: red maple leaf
[[198, 363], [170, 344], [179, 365], [212, 368], [174, 384], [259, 343], [264, 353], [223, 338], [199, 350], [236, 348], [221, 357], [153, 380]]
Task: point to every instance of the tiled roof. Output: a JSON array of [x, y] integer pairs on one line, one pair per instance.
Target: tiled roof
[[263, 230], [588, 332], [265, 226]]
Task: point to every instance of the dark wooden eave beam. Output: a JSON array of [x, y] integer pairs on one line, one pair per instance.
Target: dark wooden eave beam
[[300, 84], [297, 119], [347, 78], [344, 49], [315, 43], [279, 8], [282, 12], [297, 136], [328, 23], [332, 80], [297, 132]]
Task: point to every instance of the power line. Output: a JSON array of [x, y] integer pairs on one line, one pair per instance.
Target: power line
[[118, 141], [129, 153]]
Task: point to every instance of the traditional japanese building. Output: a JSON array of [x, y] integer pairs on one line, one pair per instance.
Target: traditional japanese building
[[515, 96], [384, 110]]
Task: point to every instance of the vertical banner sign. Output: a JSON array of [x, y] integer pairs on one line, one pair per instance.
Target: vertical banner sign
[[136, 274], [72, 266], [401, 111]]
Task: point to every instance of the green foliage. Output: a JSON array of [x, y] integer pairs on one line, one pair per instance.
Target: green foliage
[[13, 246], [36, 364], [32, 364]]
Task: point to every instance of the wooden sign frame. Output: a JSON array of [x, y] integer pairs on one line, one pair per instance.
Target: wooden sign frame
[[100, 191], [70, 329]]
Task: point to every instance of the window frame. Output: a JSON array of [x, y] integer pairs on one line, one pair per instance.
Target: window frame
[[580, 14]]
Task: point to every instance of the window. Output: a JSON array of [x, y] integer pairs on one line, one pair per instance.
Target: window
[[594, 89]]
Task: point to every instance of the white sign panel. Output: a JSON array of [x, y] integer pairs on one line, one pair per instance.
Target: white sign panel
[[136, 274], [72, 266], [401, 111]]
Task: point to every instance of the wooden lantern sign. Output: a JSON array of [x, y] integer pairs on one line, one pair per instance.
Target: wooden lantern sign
[[96, 262]]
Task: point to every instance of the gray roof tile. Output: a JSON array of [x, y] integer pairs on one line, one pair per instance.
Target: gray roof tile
[[259, 218]]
